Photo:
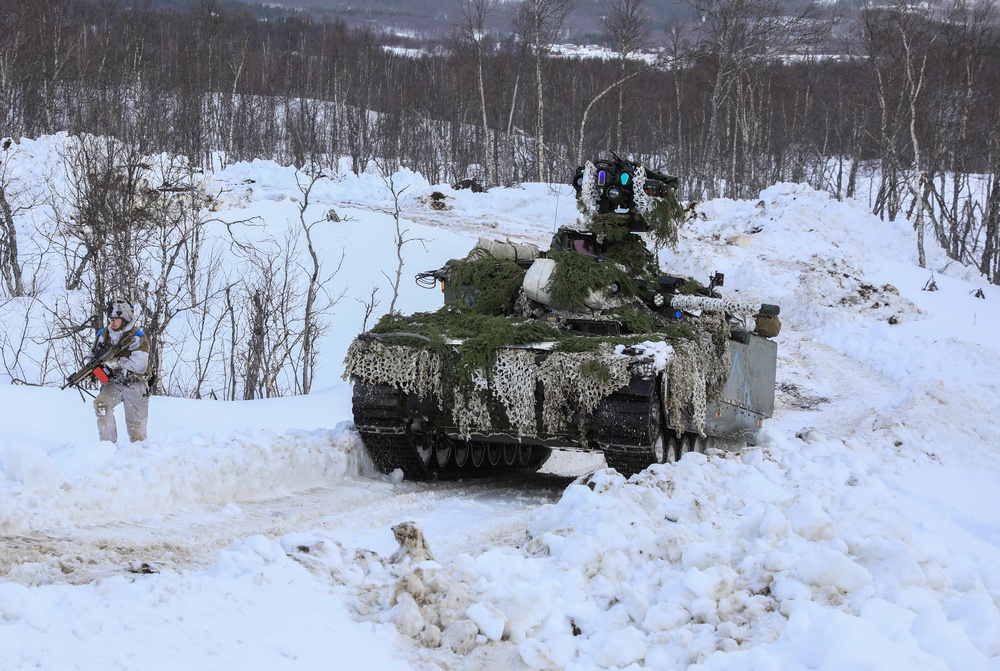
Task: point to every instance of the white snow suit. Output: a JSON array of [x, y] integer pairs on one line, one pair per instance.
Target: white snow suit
[[129, 386]]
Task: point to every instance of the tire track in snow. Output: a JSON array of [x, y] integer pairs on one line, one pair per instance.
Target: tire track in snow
[[487, 513]]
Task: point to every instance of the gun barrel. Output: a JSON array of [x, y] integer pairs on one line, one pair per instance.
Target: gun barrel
[[82, 374], [707, 303], [77, 377], [88, 368]]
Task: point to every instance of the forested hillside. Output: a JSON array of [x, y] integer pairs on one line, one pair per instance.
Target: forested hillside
[[896, 106]]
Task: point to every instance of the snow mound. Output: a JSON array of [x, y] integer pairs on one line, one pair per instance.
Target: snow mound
[[712, 561], [86, 483]]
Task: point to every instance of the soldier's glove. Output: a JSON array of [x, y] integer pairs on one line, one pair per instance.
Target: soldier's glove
[[104, 373]]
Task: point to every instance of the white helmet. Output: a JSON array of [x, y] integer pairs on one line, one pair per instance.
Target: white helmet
[[119, 308]]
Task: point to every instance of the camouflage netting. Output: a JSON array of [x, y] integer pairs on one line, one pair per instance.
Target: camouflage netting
[[573, 384], [693, 303], [414, 370], [698, 372], [579, 381], [517, 368], [663, 215], [471, 410], [590, 193]]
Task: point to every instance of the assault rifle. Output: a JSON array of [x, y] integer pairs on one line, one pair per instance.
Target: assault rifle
[[95, 365]]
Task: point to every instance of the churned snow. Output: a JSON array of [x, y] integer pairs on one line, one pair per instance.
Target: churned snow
[[860, 531]]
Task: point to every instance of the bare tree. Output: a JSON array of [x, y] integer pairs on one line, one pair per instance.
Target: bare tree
[[14, 199], [539, 23], [989, 263], [236, 62], [369, 305], [316, 286], [916, 77], [133, 226], [473, 36], [263, 307], [105, 219], [277, 308], [360, 137], [13, 39], [898, 41], [400, 239], [199, 346], [628, 27], [739, 38], [967, 35], [170, 264], [18, 338], [586, 112]]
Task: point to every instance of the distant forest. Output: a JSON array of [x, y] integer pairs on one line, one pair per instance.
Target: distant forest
[[897, 107], [431, 18]]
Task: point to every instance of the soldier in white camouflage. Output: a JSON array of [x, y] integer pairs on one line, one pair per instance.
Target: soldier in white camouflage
[[128, 375]]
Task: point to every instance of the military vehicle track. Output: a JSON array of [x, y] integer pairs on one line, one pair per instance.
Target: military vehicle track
[[382, 419], [629, 429], [632, 433]]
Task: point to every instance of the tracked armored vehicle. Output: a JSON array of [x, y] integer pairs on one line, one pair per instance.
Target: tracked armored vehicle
[[584, 346]]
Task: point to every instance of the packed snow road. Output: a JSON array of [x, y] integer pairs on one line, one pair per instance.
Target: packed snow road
[[471, 517]]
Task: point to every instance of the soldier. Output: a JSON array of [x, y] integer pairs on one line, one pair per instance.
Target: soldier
[[127, 375]]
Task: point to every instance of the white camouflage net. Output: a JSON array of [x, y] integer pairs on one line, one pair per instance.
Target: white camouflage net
[[644, 202], [589, 193], [514, 379], [514, 376], [568, 388], [695, 303], [697, 372], [415, 370], [573, 384], [471, 412]]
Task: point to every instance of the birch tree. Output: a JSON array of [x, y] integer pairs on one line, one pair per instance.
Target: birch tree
[[472, 35], [627, 27], [738, 39], [898, 41], [539, 23], [318, 301], [12, 203]]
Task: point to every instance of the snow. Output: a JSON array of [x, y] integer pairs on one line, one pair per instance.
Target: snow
[[860, 531]]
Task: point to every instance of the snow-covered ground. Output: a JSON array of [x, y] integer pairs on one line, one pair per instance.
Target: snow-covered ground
[[861, 531]]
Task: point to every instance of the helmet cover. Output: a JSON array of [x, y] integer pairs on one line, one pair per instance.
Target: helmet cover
[[119, 308]]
